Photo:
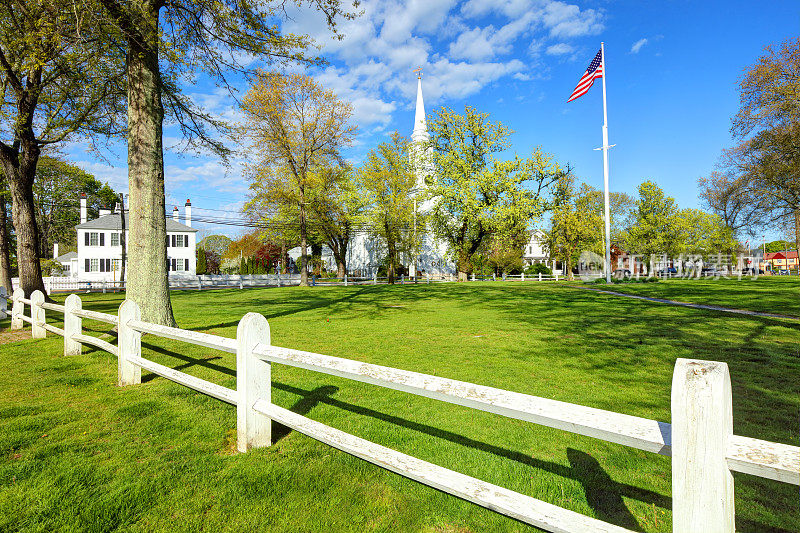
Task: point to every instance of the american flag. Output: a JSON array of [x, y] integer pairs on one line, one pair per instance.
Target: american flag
[[594, 71]]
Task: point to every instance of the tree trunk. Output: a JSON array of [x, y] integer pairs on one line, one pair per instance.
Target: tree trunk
[[463, 266], [20, 182], [5, 248], [316, 258], [148, 283], [339, 249]]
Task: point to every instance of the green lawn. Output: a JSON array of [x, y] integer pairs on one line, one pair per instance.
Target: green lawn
[[769, 294], [78, 453]]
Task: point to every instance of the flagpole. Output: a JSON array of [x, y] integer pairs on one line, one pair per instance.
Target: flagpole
[[605, 169]]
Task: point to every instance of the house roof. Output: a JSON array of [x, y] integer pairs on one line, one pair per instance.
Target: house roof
[[791, 254], [67, 257], [112, 222]]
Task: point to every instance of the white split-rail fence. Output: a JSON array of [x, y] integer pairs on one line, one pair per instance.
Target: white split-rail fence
[[700, 440]]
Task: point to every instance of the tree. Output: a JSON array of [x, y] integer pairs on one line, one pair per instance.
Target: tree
[[216, 37], [387, 180], [622, 207], [656, 228], [55, 188], [201, 261], [338, 211], [769, 92], [61, 78], [216, 243], [5, 237], [726, 194], [704, 233], [769, 161], [575, 223], [296, 127], [476, 195]]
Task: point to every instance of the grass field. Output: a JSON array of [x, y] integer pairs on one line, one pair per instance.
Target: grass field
[[78, 453], [768, 294]]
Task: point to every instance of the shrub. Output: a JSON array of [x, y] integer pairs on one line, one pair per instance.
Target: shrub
[[538, 268]]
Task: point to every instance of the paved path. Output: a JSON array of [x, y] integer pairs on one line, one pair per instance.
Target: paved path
[[686, 304]]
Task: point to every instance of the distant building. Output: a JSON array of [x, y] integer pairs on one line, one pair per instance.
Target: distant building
[[99, 256], [780, 260], [534, 250]]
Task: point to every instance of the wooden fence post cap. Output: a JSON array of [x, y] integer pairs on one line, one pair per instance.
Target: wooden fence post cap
[[252, 322]]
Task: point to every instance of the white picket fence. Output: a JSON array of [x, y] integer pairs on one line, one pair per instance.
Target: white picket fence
[[700, 439]]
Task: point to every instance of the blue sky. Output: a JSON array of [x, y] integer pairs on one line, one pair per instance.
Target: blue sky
[[672, 69]]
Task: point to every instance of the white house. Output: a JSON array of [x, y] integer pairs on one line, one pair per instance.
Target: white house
[[534, 252], [99, 254]]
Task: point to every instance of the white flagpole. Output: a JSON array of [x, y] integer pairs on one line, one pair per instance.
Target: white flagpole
[[605, 168]]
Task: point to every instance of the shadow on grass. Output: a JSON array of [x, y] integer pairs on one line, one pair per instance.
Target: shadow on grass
[[603, 494]]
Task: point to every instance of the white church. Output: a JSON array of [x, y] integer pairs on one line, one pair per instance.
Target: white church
[[365, 253]]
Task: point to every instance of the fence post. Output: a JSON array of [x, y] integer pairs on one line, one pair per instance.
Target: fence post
[[130, 344], [375, 278], [17, 308], [279, 279], [345, 280], [37, 315], [313, 280], [523, 275], [702, 423], [253, 382], [540, 276], [556, 277], [428, 278], [199, 284], [104, 286], [402, 279], [72, 324]]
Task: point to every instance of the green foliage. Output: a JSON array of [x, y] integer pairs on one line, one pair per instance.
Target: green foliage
[[476, 195], [216, 243], [201, 260], [657, 226], [575, 224], [56, 189], [387, 181], [704, 233], [538, 268], [779, 246], [243, 266]]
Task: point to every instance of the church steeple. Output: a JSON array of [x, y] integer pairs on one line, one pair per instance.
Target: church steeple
[[420, 133]]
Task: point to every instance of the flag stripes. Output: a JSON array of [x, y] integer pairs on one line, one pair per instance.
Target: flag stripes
[[594, 71]]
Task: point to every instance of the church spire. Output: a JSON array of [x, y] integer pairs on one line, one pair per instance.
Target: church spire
[[420, 133]]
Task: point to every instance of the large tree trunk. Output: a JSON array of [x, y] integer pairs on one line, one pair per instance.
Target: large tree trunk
[[148, 283], [339, 249], [5, 248], [20, 182]]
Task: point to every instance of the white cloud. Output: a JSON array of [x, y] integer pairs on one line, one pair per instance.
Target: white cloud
[[559, 49], [566, 20], [638, 46]]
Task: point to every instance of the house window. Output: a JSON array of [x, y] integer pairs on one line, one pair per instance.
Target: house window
[[115, 239], [94, 239], [94, 265], [115, 263], [179, 264]]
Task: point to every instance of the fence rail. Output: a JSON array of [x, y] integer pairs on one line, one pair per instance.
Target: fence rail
[[700, 438]]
